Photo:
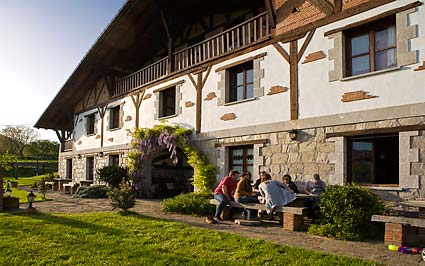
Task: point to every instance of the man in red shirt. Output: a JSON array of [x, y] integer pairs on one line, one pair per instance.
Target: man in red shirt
[[224, 191]]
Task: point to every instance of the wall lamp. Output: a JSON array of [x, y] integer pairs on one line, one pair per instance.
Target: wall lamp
[[100, 154], [293, 134], [78, 156]]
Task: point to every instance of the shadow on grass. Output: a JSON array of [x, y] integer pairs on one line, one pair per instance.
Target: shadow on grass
[[75, 223]]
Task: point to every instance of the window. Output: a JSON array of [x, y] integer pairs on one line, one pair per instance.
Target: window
[[69, 168], [167, 102], [241, 82], [114, 117], [90, 119], [372, 47], [374, 159], [89, 168], [114, 159], [241, 158]]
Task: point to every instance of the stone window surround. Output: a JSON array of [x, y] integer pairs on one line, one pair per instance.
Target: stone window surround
[[107, 116], [223, 83], [404, 56], [179, 98], [407, 155]]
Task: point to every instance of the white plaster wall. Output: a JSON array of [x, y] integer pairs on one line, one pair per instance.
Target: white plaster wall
[[79, 134], [121, 135], [188, 116], [265, 109], [319, 97]]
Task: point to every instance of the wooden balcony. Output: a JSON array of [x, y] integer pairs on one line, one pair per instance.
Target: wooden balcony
[[248, 33], [68, 145]]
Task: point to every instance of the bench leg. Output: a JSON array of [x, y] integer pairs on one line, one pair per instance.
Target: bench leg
[[395, 234], [293, 222], [226, 213]]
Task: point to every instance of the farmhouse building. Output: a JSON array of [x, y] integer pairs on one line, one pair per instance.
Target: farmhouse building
[[335, 87]]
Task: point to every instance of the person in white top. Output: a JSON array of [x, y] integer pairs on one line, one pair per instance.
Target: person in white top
[[275, 193]]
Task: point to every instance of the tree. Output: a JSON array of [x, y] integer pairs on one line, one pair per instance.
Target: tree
[[4, 165], [42, 149], [18, 137]]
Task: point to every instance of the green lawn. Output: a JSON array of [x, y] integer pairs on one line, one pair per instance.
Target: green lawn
[[25, 181], [112, 239]]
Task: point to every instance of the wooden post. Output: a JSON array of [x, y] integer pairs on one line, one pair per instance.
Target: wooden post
[[137, 101], [102, 112], [199, 102], [293, 62]]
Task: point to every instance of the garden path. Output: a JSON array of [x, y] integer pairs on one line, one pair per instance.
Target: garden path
[[376, 251]]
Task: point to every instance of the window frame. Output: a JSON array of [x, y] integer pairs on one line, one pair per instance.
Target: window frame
[[90, 168], [115, 117], [370, 29], [374, 178], [244, 149], [91, 124], [68, 168], [164, 108], [232, 88], [114, 158]]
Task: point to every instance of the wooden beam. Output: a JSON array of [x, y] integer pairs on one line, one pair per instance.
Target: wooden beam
[[206, 76], [102, 112], [199, 103], [137, 101], [270, 12], [305, 44], [323, 5], [109, 84], [293, 66], [282, 51], [374, 131], [337, 6], [192, 80]]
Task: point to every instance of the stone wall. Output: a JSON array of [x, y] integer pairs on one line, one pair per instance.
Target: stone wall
[[313, 153]]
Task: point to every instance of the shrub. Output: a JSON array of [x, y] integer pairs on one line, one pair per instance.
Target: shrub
[[92, 192], [346, 212], [122, 197], [42, 188], [113, 175], [191, 203]]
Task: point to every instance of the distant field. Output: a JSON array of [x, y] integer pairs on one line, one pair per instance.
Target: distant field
[[28, 168]]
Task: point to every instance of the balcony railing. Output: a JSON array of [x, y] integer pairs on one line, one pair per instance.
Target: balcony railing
[[243, 35], [68, 145]]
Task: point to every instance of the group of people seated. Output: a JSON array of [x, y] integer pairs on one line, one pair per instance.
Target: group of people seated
[[273, 192]]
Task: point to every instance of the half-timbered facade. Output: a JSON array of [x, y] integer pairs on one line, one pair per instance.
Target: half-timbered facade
[[334, 87]]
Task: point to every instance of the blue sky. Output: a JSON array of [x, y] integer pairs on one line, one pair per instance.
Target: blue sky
[[42, 42]]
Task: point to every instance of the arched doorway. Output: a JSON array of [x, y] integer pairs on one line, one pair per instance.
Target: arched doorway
[[169, 179]]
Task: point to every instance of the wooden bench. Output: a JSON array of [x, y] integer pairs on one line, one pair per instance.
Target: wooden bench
[[292, 216], [402, 231]]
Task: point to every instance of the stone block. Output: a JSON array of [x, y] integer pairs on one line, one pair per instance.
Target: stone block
[[294, 158], [311, 168], [308, 156], [307, 146], [326, 147], [293, 222], [294, 147], [276, 148]]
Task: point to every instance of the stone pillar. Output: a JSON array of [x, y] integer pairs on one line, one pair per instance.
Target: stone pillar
[[293, 222], [395, 234]]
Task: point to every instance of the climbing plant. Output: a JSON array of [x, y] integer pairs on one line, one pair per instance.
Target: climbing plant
[[149, 140]]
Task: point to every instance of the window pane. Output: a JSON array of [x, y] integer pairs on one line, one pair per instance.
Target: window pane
[[237, 156], [250, 91], [239, 79], [362, 162], [385, 38], [385, 59], [360, 65], [238, 168], [250, 156], [249, 76], [239, 93], [360, 45]]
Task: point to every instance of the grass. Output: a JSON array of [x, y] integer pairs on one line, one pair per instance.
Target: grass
[[113, 239]]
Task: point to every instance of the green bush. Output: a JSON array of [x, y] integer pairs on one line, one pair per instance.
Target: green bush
[[191, 203], [92, 192], [113, 175], [122, 197], [346, 212]]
